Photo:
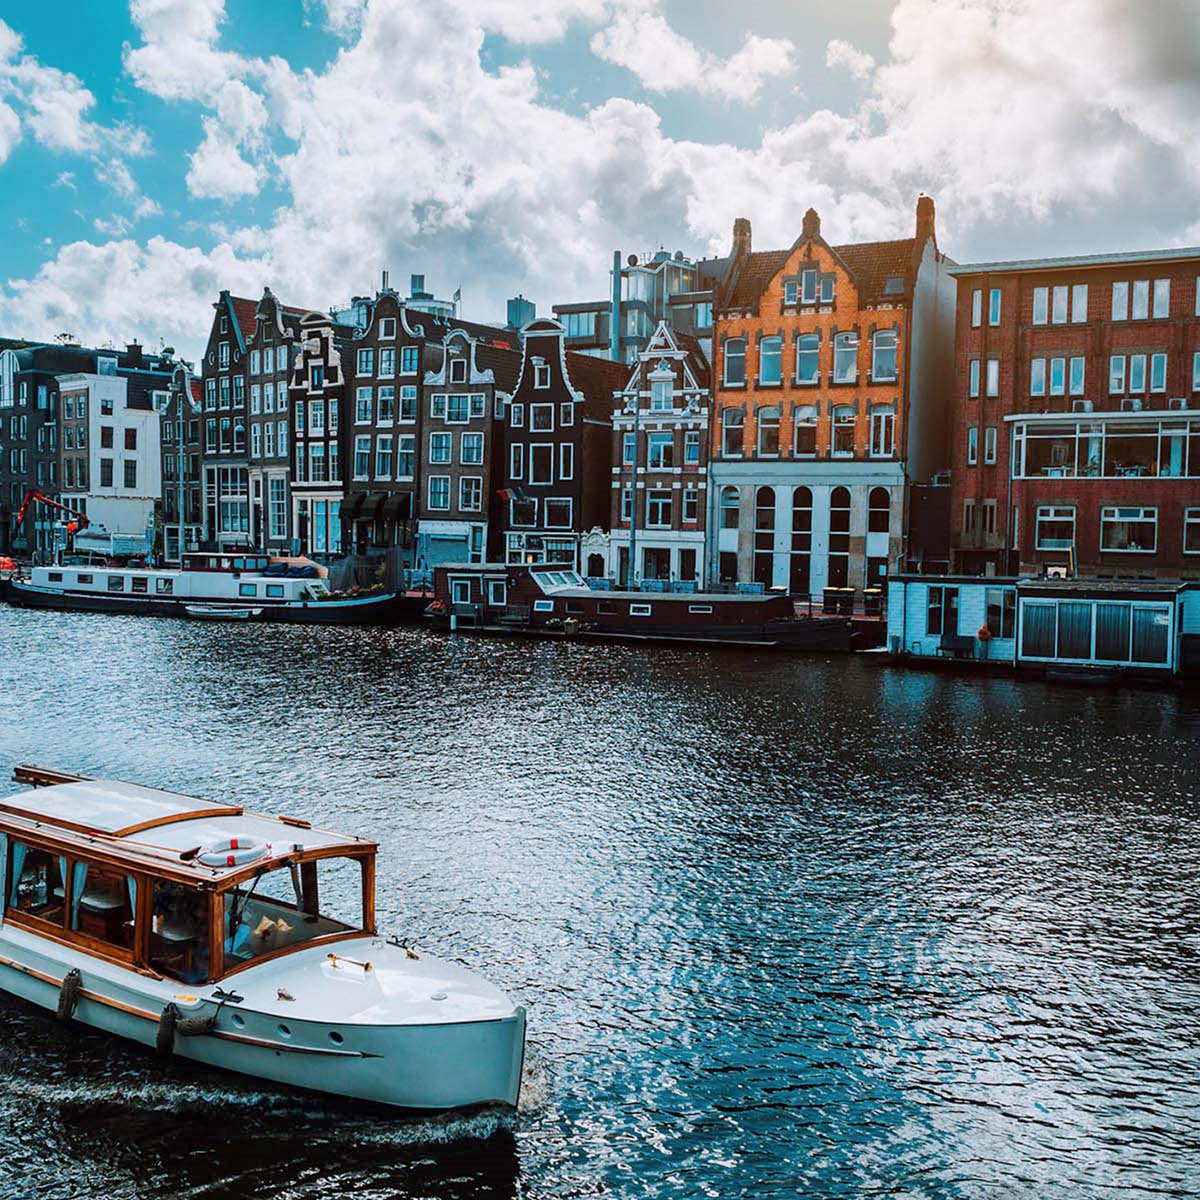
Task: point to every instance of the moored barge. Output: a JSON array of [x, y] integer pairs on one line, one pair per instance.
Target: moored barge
[[554, 600]]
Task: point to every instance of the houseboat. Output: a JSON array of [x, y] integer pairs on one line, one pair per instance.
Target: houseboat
[[554, 600], [1082, 630], [240, 941], [267, 590]]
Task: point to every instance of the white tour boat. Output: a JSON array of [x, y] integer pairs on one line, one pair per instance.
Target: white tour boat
[[240, 941]]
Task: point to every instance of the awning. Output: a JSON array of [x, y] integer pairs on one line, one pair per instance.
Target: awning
[[398, 505], [372, 502], [351, 504]]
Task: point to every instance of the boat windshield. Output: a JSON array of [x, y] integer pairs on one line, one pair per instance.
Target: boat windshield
[[289, 905]]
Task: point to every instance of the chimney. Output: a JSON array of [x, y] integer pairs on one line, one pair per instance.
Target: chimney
[[741, 238], [385, 281], [925, 217], [134, 351], [812, 225]]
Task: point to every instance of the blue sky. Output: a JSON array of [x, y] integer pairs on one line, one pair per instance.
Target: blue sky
[[155, 151]]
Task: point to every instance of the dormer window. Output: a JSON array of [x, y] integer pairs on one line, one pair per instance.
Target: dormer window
[[541, 375], [387, 328], [791, 292], [223, 354], [224, 324], [458, 370], [662, 394]]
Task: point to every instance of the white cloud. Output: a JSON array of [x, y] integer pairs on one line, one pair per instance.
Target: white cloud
[[218, 171], [642, 40], [841, 53]]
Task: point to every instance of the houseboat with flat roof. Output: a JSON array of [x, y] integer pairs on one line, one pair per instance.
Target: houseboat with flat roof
[[240, 941], [554, 600], [255, 586]]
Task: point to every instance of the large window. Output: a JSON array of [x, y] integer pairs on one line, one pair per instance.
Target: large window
[[1129, 530], [661, 450], [658, 508], [1112, 449], [768, 432], [883, 356], [804, 421], [843, 431], [883, 425], [1055, 527], [770, 362], [362, 457], [941, 616], [441, 447], [729, 508], [471, 449], [808, 358], [439, 492], [541, 463], [732, 425], [1107, 631], [879, 510], [1002, 612], [845, 358]]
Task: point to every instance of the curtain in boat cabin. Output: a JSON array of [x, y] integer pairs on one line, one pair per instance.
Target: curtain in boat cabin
[[3, 859], [18, 865], [79, 878], [132, 884]]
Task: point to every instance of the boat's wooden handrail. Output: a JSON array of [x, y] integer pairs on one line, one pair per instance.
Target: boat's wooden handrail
[[37, 776]]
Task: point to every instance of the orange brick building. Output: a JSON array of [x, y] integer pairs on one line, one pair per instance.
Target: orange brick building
[[833, 373]]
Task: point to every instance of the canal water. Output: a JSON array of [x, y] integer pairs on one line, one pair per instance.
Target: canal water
[[784, 927]]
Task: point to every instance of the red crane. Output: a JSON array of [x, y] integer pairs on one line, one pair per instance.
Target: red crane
[[78, 525]]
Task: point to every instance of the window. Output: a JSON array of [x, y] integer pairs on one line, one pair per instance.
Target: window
[[541, 463], [879, 510], [116, 583], [735, 363], [366, 362], [628, 448], [541, 418], [1077, 376], [1196, 371], [1002, 612], [1162, 298], [441, 446], [691, 447], [566, 412], [316, 416], [106, 434], [277, 508], [239, 391], [808, 356], [269, 397], [255, 399], [408, 403], [845, 358], [791, 291], [316, 376], [281, 358], [883, 424], [994, 307], [973, 378], [1058, 309], [658, 508], [691, 506], [968, 517], [471, 449], [976, 308], [254, 362], [362, 456], [768, 432], [883, 356], [1158, 372], [516, 462], [557, 513], [363, 397], [1129, 530], [541, 376], [387, 363], [106, 472], [406, 452], [1191, 531], [1139, 308], [1137, 372], [439, 492], [383, 457], [37, 887], [972, 446], [522, 512], [470, 493], [497, 593], [1037, 377], [387, 328], [662, 394], [942, 611], [843, 431], [408, 360], [1058, 376], [729, 508], [222, 356], [732, 425], [804, 421], [317, 462], [387, 405], [1079, 301], [1041, 305], [1116, 374], [770, 362], [1120, 301], [993, 377], [989, 444], [516, 416], [1055, 528], [566, 460]]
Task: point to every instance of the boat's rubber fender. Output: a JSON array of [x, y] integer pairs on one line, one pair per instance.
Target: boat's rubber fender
[[68, 994], [195, 1026], [164, 1040]]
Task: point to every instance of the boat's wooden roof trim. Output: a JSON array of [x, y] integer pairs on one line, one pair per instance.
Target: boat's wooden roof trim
[[174, 818]]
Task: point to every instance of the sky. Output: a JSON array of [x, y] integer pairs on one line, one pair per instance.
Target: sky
[[156, 151]]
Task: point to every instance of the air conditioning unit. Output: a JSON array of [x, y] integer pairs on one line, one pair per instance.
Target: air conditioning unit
[[1131, 405], [1178, 402], [1081, 406]]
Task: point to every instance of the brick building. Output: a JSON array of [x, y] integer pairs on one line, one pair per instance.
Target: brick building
[[1077, 416], [660, 464], [558, 439], [832, 385], [180, 443]]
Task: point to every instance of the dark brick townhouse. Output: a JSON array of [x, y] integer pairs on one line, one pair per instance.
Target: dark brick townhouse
[[180, 448]]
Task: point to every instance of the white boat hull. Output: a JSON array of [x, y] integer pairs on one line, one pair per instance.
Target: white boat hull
[[414, 1064]]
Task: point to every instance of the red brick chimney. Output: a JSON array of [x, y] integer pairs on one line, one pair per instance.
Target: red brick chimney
[[741, 238], [812, 225], [925, 217]]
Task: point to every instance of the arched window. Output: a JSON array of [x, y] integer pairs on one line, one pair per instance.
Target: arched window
[[808, 358], [729, 508], [801, 561], [732, 422], [845, 358], [839, 537], [735, 363], [764, 536], [883, 356], [770, 361], [879, 507], [768, 432]]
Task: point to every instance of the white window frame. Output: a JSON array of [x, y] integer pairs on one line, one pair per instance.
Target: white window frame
[[1053, 512], [990, 441], [1111, 515], [439, 480]]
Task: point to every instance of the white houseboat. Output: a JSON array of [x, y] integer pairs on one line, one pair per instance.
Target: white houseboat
[[240, 941], [265, 590], [1088, 629]]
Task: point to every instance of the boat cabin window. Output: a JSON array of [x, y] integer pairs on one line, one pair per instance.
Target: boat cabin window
[[247, 589], [116, 583], [179, 932], [139, 584], [36, 883], [164, 587], [102, 904], [290, 905], [275, 591]]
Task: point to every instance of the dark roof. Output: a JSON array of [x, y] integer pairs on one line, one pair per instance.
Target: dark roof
[[697, 359], [504, 364], [873, 263], [749, 278], [597, 379], [244, 312]]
